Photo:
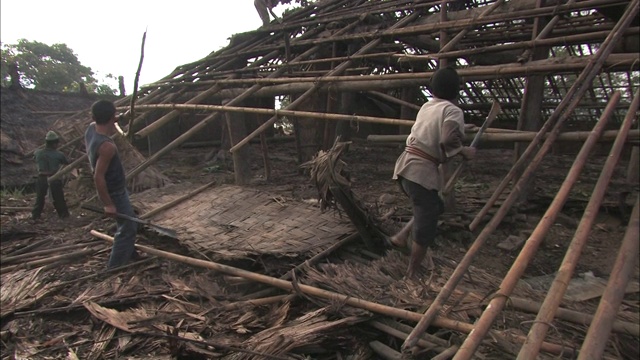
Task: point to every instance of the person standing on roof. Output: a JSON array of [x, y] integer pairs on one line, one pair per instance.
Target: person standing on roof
[[48, 161], [109, 179], [264, 7], [435, 137]]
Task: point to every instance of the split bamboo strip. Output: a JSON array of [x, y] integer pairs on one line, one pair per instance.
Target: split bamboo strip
[[175, 202], [49, 260], [278, 113], [500, 135], [561, 282], [337, 70], [627, 258], [325, 294], [11, 259], [568, 104], [508, 284], [198, 127]]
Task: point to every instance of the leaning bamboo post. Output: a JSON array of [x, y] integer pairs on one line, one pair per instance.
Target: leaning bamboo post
[[199, 126], [566, 106], [471, 343], [329, 295], [598, 334], [175, 202], [338, 70], [555, 294], [67, 169]]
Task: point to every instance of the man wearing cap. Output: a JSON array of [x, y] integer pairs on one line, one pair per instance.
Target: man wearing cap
[[435, 137], [48, 162]]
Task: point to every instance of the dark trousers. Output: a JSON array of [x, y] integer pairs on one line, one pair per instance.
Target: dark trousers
[[427, 207], [42, 186]]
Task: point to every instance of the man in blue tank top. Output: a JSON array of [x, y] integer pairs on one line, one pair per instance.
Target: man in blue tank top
[[109, 179]]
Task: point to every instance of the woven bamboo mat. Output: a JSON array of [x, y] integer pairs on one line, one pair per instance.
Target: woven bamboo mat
[[231, 221]]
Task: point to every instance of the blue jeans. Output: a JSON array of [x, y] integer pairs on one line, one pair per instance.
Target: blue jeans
[[125, 238]]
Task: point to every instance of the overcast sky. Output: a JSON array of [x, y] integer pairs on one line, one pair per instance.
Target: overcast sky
[[106, 35]]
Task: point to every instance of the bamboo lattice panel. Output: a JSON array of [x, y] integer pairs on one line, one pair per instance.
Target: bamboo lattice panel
[[231, 221]]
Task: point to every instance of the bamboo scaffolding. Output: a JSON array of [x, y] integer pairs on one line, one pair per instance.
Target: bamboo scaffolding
[[198, 127], [337, 70], [558, 117], [329, 295], [567, 105], [508, 284], [622, 271], [570, 261]]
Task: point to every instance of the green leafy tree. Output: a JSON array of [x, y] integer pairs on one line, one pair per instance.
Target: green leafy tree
[[48, 67]]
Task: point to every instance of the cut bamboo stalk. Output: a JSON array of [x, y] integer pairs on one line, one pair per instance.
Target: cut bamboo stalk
[[30, 247], [175, 202], [425, 344], [561, 282], [384, 352], [447, 353], [598, 334], [325, 294], [566, 107], [337, 70], [508, 284]]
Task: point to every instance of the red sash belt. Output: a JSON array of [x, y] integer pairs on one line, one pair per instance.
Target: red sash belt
[[415, 151]]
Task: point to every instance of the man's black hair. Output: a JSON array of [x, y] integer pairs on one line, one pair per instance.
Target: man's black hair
[[445, 83], [103, 111]]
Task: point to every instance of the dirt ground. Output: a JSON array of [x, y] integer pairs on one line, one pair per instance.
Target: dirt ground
[[370, 166]]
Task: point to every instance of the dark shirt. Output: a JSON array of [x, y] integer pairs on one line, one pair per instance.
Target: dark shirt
[[49, 161], [114, 177]]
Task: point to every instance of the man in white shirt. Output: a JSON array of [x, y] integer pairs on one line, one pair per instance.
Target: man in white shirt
[[435, 137]]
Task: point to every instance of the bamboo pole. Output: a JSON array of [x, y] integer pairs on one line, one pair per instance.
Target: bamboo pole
[[198, 127], [67, 169], [338, 70], [561, 282], [12, 259], [425, 344], [175, 202], [49, 260], [471, 343], [132, 104], [598, 334], [566, 106], [383, 351], [278, 113], [506, 135], [329, 295], [394, 100]]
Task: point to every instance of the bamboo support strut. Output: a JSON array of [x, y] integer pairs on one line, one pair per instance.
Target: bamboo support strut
[[561, 282], [474, 22], [329, 295], [498, 135], [623, 269], [567, 105], [508, 284]]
